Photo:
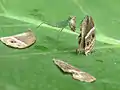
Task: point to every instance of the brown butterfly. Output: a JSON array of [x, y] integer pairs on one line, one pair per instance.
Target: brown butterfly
[[87, 36]]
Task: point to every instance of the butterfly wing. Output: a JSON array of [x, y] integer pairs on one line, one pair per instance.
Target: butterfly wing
[[76, 73], [90, 36], [65, 66], [83, 33], [22, 40], [83, 76]]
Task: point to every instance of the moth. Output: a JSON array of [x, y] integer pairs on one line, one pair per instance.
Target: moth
[[72, 23], [22, 40], [76, 73], [87, 36]]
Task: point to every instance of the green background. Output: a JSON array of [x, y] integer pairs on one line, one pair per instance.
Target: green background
[[33, 68]]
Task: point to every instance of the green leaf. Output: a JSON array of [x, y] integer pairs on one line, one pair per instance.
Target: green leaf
[[33, 68]]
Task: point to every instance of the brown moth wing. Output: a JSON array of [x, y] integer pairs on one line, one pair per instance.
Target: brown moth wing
[[83, 29], [65, 66], [86, 26], [72, 23], [89, 41], [76, 73], [90, 37], [22, 40], [28, 37], [83, 76]]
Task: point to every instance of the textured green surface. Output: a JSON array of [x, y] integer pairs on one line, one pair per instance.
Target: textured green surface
[[33, 69]]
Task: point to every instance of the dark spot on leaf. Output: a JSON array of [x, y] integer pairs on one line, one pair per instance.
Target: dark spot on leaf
[[35, 10], [99, 60], [40, 47]]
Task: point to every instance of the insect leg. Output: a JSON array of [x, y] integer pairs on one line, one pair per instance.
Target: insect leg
[[59, 33], [39, 25]]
